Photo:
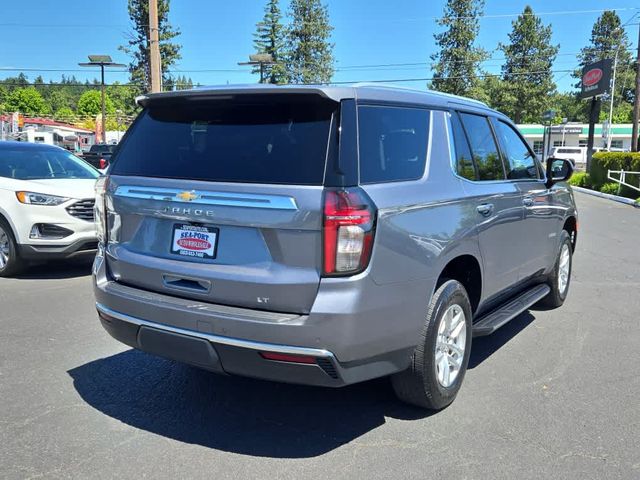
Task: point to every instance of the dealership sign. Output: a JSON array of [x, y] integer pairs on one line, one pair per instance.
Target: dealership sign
[[595, 79]]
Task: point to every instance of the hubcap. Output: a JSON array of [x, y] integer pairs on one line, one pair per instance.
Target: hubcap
[[564, 269], [450, 345], [4, 248]]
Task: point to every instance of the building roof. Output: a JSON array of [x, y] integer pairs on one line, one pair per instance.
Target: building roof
[[48, 122], [616, 129]]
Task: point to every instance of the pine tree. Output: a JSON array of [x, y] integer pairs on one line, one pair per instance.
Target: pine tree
[[138, 45], [457, 62], [270, 38], [527, 73], [309, 50], [608, 37]]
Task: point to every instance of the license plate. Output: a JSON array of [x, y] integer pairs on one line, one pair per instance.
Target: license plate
[[194, 241]]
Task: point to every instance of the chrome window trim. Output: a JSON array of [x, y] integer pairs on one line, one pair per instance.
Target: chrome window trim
[[202, 197], [234, 342]]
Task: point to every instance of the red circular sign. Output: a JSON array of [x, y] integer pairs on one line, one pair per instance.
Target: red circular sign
[[194, 244], [592, 77]]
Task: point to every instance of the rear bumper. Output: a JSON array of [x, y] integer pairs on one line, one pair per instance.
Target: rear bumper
[[222, 354], [347, 348]]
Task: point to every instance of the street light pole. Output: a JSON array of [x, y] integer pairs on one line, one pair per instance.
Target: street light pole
[[102, 61], [104, 113], [613, 89], [635, 143], [260, 59]]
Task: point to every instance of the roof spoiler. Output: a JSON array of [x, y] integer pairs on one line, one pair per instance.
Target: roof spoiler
[[230, 91]]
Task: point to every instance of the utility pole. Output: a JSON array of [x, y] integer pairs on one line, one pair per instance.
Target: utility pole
[[635, 143], [154, 48]]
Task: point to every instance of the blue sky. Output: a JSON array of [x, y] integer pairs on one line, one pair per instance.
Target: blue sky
[[216, 34]]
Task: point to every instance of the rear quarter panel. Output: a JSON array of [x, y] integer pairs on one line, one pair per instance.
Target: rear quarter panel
[[423, 224]]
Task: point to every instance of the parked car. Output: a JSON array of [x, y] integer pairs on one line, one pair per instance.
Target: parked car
[[577, 155], [46, 204], [99, 155], [327, 235]]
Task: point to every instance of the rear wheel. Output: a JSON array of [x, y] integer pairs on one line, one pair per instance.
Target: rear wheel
[[560, 276], [10, 261], [440, 360]]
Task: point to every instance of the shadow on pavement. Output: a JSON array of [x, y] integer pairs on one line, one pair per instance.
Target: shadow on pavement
[[234, 414], [58, 269], [483, 347]]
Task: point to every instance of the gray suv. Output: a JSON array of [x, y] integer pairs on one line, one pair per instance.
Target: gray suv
[[327, 235]]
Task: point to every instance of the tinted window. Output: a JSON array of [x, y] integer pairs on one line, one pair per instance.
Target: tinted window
[[483, 147], [520, 161], [254, 141], [464, 161], [36, 164], [569, 150], [392, 143]]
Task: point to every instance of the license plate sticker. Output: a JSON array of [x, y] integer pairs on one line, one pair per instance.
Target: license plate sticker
[[194, 241]]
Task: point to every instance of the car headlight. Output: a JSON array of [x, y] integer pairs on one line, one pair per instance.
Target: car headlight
[[40, 198]]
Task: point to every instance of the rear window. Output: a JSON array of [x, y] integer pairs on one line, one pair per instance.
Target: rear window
[[102, 148], [281, 141], [392, 143], [570, 150]]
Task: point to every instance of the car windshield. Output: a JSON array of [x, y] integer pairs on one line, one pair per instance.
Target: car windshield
[[35, 164]]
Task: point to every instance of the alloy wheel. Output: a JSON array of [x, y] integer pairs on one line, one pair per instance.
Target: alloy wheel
[[564, 268], [4, 249], [450, 345]]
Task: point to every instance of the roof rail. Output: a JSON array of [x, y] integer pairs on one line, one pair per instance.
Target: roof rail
[[417, 90]]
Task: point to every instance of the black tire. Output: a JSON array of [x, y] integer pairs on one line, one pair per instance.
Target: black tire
[[418, 385], [556, 296], [14, 263]]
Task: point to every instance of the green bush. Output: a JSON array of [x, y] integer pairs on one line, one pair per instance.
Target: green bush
[[580, 179], [603, 161], [610, 188]]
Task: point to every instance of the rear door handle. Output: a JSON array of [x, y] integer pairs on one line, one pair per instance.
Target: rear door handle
[[485, 209], [527, 201]]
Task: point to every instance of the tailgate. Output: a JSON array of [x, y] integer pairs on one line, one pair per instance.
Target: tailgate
[[222, 202]]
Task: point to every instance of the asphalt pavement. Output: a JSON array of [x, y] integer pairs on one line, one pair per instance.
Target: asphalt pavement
[[553, 394]]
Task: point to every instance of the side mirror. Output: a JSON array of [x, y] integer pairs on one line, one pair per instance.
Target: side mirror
[[558, 170]]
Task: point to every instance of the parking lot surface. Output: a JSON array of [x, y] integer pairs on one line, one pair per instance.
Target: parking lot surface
[[553, 394]]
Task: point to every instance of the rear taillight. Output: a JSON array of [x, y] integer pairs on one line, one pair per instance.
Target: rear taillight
[[349, 220], [103, 164], [100, 209]]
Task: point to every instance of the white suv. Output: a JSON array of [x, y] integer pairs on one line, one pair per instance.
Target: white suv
[[576, 155], [46, 204]]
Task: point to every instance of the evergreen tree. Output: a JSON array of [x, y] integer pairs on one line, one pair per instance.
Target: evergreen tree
[[608, 37], [270, 38], [527, 74], [458, 60], [138, 46], [309, 50]]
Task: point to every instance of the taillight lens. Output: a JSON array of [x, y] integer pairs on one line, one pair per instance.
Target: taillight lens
[[349, 220], [100, 209], [103, 164]]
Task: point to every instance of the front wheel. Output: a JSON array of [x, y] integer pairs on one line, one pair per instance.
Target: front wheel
[[560, 277], [440, 360], [10, 261]]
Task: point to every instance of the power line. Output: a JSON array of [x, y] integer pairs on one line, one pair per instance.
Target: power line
[[414, 19]]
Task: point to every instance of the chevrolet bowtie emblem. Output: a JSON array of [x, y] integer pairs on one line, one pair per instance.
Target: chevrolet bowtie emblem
[[187, 196]]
